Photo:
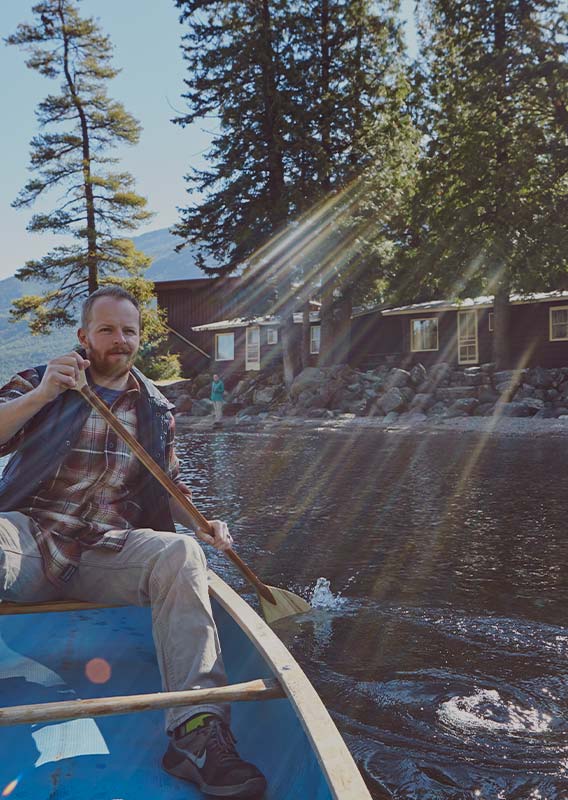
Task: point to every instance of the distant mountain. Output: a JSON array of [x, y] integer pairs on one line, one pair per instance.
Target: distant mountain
[[167, 265], [19, 349]]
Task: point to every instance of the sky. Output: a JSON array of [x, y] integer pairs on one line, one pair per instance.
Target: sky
[[146, 35]]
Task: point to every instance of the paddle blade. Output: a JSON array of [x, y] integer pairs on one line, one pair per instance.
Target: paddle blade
[[287, 604]]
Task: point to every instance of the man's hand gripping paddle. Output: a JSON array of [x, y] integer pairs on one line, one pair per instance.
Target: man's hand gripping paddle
[[275, 603]]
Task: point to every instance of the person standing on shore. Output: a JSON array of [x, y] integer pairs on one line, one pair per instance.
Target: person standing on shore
[[217, 396]]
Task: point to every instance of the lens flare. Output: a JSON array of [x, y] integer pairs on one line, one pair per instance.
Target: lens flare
[[98, 670], [7, 791]]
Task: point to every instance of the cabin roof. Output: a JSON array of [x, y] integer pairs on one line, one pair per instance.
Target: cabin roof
[[243, 322], [484, 301]]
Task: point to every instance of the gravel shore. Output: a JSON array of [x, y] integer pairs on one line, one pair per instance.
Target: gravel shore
[[495, 426]]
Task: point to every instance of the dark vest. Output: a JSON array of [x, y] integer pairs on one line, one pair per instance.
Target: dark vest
[[52, 433]]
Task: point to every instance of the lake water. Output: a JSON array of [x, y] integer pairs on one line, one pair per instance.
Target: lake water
[[440, 639]]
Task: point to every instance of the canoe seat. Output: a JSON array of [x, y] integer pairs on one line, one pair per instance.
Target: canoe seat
[[7, 607]]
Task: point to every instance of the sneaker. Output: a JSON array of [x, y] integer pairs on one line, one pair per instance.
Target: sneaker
[[207, 757]]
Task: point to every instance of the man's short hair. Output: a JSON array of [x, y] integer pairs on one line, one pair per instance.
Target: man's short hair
[[107, 291]]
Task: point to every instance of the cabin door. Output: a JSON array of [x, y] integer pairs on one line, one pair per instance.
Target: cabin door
[[468, 351], [253, 349]]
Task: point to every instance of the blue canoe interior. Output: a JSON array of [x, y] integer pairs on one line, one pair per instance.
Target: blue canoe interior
[[43, 658]]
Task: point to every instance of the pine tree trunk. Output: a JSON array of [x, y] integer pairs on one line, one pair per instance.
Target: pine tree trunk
[[325, 119], [92, 261], [290, 353], [501, 334], [327, 328], [271, 125], [342, 328], [305, 346]]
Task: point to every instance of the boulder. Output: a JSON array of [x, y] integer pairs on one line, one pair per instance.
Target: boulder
[[418, 374], [484, 410], [512, 410], [176, 389], [540, 377], [392, 400], [391, 417], [438, 410], [203, 393], [397, 378], [546, 413], [203, 379], [487, 395], [422, 402], [533, 404], [463, 407], [412, 417], [264, 395], [317, 413], [253, 411], [407, 392], [231, 409], [525, 390], [453, 393], [183, 403], [476, 379], [309, 378], [201, 408], [440, 374]]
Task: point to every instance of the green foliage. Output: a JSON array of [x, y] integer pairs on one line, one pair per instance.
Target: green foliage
[[490, 206], [94, 202], [159, 367], [314, 149]]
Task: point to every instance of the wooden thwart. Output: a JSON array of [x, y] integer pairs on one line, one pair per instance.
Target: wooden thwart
[[260, 689], [7, 608]]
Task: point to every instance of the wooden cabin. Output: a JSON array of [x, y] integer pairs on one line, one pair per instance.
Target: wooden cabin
[[194, 302], [461, 333], [250, 345]]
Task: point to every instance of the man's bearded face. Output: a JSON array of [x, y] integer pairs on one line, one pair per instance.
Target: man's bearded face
[[112, 336]]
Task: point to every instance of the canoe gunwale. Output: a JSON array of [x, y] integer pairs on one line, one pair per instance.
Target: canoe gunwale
[[336, 762]]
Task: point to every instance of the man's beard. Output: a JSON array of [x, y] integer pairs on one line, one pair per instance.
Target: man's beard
[[111, 368]]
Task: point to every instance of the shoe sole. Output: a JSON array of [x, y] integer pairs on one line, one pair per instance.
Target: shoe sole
[[253, 788]]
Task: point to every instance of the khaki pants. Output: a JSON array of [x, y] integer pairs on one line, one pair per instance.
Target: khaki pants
[[218, 409], [165, 570]]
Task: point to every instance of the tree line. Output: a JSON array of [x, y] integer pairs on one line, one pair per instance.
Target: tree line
[[339, 169]]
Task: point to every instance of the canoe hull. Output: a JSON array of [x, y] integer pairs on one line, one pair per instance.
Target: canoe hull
[[44, 658]]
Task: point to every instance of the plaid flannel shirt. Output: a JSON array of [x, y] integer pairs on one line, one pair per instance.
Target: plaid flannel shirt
[[88, 502]]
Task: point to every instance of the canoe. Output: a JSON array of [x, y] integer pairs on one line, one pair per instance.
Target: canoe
[[70, 684]]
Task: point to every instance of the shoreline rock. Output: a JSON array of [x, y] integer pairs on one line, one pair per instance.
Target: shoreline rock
[[383, 397]]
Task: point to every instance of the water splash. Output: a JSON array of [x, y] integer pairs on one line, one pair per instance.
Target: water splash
[[323, 598], [485, 709]]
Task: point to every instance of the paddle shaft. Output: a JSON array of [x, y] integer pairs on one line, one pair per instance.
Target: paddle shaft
[[197, 517]]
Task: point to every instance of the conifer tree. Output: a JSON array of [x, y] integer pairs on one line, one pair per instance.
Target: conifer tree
[[490, 209], [307, 156], [71, 156]]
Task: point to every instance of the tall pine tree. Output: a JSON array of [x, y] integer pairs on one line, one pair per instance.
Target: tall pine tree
[[490, 210], [308, 151], [82, 125]]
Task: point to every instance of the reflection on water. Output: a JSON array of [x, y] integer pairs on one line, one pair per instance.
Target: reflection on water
[[438, 568]]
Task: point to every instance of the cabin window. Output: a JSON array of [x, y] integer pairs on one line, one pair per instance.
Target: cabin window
[[315, 338], [559, 324], [423, 334], [491, 316], [272, 336], [224, 346]]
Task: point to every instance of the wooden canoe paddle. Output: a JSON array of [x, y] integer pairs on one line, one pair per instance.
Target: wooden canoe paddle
[[275, 603]]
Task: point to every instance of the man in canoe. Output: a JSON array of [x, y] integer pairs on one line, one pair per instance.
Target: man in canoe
[[81, 518]]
